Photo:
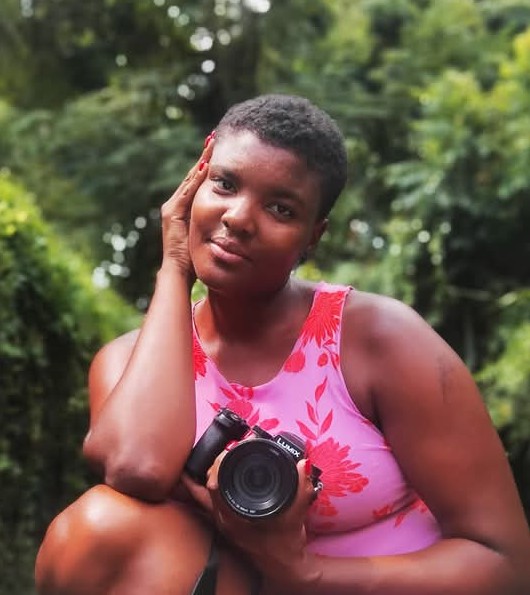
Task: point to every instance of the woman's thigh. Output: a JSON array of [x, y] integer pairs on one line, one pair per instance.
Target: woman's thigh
[[108, 543]]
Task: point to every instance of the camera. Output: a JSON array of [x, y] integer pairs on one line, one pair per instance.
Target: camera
[[257, 477]]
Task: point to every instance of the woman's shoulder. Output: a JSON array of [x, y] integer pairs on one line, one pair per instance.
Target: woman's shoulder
[[381, 322], [382, 333]]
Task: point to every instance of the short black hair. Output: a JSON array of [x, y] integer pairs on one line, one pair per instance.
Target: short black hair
[[294, 123]]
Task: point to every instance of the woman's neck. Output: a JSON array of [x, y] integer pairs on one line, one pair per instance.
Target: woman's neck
[[239, 319]]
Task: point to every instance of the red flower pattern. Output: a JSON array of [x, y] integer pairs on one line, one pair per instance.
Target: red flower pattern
[[384, 511], [324, 318], [295, 362], [199, 358], [388, 509], [239, 401], [418, 505], [339, 474]]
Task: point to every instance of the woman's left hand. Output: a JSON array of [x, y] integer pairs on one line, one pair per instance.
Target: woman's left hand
[[277, 544]]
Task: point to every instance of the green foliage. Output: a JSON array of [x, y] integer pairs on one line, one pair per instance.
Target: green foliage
[[506, 379], [52, 321], [461, 198], [102, 166], [59, 49]]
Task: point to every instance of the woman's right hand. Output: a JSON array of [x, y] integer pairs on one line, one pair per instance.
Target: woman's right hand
[[175, 214], [276, 545]]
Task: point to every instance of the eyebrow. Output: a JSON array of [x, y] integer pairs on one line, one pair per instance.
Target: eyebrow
[[279, 191]]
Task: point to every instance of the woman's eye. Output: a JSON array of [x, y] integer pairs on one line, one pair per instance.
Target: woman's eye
[[223, 185], [282, 211]]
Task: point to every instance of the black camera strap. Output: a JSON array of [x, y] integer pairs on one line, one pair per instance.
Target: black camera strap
[[207, 581]]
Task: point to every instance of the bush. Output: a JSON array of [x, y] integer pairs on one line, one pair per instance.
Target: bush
[[52, 320], [506, 383]]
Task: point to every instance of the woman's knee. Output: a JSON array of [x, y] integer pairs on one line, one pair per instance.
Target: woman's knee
[[86, 542], [108, 542]]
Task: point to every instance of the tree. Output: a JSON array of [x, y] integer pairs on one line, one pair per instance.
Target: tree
[[104, 162]]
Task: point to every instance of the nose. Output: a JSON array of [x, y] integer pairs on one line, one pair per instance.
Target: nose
[[238, 216]]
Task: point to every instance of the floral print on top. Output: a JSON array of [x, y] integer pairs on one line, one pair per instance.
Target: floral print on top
[[366, 506]]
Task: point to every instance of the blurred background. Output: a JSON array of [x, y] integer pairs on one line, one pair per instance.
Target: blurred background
[[104, 105]]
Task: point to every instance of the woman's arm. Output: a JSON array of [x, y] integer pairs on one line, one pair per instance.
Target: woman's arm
[[143, 428], [433, 417]]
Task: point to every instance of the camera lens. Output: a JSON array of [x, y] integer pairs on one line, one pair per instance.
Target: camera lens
[[258, 478]]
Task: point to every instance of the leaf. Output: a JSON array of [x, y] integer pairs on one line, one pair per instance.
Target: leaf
[[306, 431], [322, 359], [311, 413], [295, 362], [228, 393], [327, 422], [253, 419], [269, 424], [319, 391]]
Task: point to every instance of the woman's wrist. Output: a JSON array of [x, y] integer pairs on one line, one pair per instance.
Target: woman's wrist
[[307, 572], [170, 270], [301, 575]]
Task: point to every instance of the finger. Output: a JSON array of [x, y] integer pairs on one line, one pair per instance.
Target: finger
[[213, 472], [198, 171], [195, 176], [227, 519], [307, 491], [199, 493]]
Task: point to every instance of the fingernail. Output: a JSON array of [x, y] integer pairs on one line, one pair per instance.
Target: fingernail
[[308, 467], [202, 165], [209, 138]]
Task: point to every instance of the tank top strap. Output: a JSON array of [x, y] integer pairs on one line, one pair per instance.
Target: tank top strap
[[318, 344], [323, 324]]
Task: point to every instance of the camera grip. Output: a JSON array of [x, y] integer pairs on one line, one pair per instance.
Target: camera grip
[[225, 427]]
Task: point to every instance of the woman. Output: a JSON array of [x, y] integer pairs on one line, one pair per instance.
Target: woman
[[418, 497]]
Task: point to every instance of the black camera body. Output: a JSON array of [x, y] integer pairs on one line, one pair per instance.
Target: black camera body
[[257, 477]]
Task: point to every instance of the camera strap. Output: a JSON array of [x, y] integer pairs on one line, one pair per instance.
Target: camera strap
[[207, 581]]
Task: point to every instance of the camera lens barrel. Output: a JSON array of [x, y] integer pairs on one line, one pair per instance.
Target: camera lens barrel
[[258, 478]]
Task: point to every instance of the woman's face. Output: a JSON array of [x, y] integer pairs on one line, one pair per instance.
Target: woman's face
[[253, 216]]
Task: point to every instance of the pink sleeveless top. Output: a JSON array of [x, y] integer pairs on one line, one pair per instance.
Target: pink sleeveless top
[[366, 507]]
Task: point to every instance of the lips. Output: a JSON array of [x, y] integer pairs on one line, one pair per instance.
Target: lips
[[228, 250]]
